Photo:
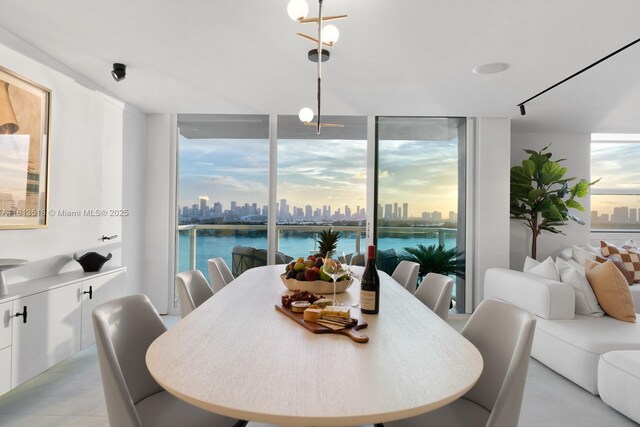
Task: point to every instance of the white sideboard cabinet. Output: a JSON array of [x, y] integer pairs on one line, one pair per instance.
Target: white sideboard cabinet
[[46, 320]]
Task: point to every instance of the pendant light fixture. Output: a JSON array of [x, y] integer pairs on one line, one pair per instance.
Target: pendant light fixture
[[326, 36]]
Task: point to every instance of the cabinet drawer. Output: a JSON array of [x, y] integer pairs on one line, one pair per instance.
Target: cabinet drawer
[[5, 325]]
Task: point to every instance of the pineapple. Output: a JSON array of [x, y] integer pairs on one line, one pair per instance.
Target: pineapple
[[328, 242]]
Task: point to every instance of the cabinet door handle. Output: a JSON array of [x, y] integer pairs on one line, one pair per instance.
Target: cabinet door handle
[[90, 292], [23, 314]]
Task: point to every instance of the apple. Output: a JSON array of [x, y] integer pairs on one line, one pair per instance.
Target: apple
[[300, 276], [310, 274]]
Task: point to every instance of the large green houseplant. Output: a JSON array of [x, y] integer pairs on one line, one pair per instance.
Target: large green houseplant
[[541, 196]]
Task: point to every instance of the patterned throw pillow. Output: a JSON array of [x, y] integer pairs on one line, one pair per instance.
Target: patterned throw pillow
[[631, 246], [631, 260]]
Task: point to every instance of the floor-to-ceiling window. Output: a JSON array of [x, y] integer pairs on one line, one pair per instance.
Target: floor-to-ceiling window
[[615, 199], [321, 184], [420, 194], [222, 188]]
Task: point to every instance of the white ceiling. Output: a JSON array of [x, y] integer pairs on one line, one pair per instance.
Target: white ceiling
[[394, 57]]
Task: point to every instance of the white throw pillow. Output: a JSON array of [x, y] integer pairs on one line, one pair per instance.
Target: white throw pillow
[[546, 268], [586, 301], [566, 254], [580, 254]]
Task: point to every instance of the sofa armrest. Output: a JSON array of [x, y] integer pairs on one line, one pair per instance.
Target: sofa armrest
[[543, 297]]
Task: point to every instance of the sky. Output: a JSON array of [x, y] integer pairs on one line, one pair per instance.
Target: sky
[[320, 172], [618, 166]]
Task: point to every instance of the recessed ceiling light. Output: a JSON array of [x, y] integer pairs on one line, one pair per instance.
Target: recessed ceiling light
[[493, 68]]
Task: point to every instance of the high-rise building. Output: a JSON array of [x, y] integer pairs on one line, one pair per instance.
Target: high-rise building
[[217, 208], [620, 215], [452, 216], [399, 213], [380, 214], [388, 211], [234, 206], [436, 216], [633, 215], [347, 212], [203, 205], [594, 217], [265, 210], [426, 216], [395, 210], [405, 210], [308, 212], [604, 218]]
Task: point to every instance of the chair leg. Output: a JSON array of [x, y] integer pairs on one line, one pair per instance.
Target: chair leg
[[379, 425], [241, 423]]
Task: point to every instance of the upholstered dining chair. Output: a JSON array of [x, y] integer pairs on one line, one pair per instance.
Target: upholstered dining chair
[[503, 334], [224, 270], [193, 290], [124, 329], [406, 273], [435, 293]]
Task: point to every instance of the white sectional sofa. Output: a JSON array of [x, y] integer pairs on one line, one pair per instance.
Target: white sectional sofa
[[568, 343]]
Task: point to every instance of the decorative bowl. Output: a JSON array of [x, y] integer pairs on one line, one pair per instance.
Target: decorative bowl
[[91, 261], [316, 286]]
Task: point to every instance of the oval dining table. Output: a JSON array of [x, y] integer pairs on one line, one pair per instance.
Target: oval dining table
[[238, 356]]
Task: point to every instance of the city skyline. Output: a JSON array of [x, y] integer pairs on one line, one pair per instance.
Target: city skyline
[[326, 172], [251, 211], [620, 215]]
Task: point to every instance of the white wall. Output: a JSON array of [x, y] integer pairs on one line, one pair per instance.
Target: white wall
[[96, 162], [489, 232], [576, 148], [160, 205]]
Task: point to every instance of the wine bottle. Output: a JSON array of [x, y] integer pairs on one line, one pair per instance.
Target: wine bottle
[[370, 284]]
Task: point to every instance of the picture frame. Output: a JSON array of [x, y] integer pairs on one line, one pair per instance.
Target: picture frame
[[25, 108]]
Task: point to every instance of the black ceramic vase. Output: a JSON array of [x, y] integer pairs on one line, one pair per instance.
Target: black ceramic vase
[[91, 261]]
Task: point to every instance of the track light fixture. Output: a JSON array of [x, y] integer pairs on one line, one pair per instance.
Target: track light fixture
[[327, 36], [119, 71], [588, 67]]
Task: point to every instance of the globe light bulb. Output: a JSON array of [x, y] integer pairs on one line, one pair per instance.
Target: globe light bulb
[[297, 9], [330, 34], [306, 115]]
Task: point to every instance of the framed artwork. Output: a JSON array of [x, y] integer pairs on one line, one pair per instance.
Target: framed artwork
[[24, 152]]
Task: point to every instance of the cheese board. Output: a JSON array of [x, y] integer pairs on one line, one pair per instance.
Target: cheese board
[[352, 332]]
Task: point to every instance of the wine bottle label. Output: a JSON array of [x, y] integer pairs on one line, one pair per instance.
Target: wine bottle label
[[368, 300]]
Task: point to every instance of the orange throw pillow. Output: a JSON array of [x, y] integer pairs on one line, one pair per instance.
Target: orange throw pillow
[[611, 289], [626, 273]]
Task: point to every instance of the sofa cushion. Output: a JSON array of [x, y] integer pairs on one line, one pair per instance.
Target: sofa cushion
[[586, 301], [612, 290], [631, 260], [582, 253], [572, 348], [619, 381], [628, 275], [546, 268]]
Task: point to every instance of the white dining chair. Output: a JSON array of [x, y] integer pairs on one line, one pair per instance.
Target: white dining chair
[[503, 334], [217, 275], [406, 273], [193, 289], [435, 293], [124, 329], [227, 276]]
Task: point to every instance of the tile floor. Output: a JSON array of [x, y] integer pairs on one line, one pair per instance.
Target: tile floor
[[70, 394]]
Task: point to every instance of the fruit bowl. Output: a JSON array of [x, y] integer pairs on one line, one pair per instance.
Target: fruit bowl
[[316, 286]]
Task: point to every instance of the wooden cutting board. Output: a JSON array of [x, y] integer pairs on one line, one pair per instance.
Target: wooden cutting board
[[316, 328]]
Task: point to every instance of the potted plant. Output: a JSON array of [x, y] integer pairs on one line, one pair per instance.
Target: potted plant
[[541, 196], [435, 259]]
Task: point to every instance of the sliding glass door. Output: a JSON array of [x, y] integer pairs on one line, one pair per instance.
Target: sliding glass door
[[420, 195]]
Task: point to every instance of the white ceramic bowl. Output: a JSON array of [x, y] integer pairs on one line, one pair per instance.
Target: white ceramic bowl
[[317, 286]]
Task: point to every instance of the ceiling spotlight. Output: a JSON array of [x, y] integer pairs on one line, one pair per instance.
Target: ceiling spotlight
[[119, 71], [522, 110], [493, 68]]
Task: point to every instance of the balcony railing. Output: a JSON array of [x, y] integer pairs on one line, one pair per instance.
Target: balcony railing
[[358, 233]]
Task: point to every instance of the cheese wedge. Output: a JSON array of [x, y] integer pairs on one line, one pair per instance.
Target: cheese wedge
[[312, 314], [336, 311]]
